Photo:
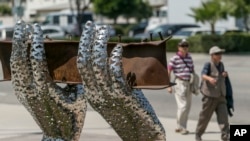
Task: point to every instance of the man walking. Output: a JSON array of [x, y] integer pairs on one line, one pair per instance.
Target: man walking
[[214, 91], [182, 66]]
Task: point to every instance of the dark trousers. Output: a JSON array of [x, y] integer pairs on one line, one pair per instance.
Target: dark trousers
[[209, 106]]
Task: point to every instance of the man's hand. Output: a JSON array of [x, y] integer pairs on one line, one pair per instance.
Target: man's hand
[[230, 111], [212, 81], [170, 90], [224, 74]]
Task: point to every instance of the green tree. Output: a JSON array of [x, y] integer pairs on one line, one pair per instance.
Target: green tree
[[210, 12], [143, 11], [241, 9], [5, 10], [108, 8], [127, 8]]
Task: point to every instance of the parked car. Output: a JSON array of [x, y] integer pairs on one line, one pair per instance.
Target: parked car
[[54, 32], [138, 29], [67, 20], [165, 30], [223, 31], [187, 32]]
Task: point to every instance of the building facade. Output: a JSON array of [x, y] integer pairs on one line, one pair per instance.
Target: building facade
[[35, 10]]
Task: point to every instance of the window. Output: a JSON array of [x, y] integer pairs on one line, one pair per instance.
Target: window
[[87, 17], [70, 19], [9, 33], [56, 20]]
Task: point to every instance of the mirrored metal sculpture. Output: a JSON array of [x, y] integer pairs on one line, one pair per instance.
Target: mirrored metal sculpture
[[125, 109], [60, 112]]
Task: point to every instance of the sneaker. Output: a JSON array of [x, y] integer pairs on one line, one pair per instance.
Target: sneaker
[[226, 138], [184, 132], [178, 130], [198, 138]]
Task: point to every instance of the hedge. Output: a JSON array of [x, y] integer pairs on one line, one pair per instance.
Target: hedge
[[233, 43]]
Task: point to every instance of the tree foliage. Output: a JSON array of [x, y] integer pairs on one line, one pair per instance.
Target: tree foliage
[[108, 8], [241, 9], [210, 12], [143, 11], [127, 8], [5, 10], [213, 10]]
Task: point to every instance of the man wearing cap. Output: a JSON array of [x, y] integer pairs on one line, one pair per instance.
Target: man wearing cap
[[182, 66], [214, 91]]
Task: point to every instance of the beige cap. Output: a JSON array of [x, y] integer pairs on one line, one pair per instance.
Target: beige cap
[[215, 49]]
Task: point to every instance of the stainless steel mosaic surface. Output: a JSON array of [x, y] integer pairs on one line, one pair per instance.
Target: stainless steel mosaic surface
[[60, 112]]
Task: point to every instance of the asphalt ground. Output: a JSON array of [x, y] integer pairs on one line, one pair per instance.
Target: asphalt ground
[[17, 124]]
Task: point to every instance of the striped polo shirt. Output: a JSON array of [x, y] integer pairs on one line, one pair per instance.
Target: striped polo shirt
[[179, 68]]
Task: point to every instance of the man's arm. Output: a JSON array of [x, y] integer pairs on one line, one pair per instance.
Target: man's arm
[[170, 68], [209, 79], [205, 74], [169, 73]]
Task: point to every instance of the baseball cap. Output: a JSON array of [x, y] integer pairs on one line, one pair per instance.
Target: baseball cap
[[183, 42], [215, 49]]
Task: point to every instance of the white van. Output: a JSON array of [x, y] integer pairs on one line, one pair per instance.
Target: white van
[[160, 17], [67, 20]]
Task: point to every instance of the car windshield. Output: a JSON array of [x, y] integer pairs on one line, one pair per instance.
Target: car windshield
[[183, 33], [161, 29]]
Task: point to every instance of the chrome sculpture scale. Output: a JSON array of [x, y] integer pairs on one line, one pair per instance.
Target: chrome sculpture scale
[[60, 111]]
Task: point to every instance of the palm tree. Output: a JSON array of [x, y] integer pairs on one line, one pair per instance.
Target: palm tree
[[241, 9], [210, 12]]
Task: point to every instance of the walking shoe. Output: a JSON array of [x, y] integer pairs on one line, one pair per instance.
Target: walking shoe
[[225, 137], [178, 130], [198, 138], [184, 132]]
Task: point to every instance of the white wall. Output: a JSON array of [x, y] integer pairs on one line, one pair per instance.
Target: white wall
[[33, 6], [157, 2], [178, 11], [7, 20]]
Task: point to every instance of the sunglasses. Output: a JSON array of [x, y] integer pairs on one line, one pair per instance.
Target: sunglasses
[[217, 53], [184, 46]]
